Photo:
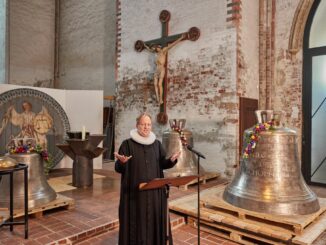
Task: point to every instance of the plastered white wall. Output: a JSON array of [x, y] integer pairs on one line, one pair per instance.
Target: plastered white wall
[[83, 108]]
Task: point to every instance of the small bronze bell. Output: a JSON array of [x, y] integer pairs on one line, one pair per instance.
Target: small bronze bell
[[187, 163], [39, 191]]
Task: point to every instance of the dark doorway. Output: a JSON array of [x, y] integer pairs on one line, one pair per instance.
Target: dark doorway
[[247, 117]]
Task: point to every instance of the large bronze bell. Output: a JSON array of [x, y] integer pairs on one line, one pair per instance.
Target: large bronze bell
[[187, 163], [39, 191], [270, 179]]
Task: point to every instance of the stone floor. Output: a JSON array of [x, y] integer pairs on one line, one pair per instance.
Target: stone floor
[[94, 219]]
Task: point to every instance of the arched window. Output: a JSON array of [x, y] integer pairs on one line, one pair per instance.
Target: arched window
[[314, 95]]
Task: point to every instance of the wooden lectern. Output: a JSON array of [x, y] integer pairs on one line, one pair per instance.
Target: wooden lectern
[[162, 182]]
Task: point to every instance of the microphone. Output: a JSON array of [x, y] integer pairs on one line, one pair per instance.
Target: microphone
[[196, 152]]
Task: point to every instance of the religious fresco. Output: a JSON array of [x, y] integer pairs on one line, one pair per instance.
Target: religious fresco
[[32, 116]]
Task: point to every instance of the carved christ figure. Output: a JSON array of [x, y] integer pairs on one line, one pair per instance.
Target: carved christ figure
[[161, 56]]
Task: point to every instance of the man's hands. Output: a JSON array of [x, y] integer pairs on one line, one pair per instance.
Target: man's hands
[[124, 159], [121, 158], [175, 156]]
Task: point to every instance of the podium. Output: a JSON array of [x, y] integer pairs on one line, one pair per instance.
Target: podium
[[163, 182]]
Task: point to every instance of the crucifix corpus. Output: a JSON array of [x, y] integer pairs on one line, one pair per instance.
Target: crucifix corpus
[[160, 47]]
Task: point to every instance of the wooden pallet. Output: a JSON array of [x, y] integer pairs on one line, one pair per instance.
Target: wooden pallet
[[188, 206], [60, 201], [4, 215], [207, 176], [212, 198], [236, 235], [312, 232], [308, 237], [235, 224], [254, 227]]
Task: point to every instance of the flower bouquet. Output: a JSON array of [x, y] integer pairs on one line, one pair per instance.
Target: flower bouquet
[[177, 126], [33, 148], [253, 137]]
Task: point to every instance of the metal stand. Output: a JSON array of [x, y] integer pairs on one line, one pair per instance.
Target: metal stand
[[198, 202], [82, 171], [83, 152], [199, 155], [11, 221], [167, 215]]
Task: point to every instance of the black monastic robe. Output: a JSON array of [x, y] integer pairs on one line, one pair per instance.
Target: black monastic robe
[[142, 213]]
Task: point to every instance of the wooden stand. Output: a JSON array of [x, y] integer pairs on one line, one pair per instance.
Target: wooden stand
[[162, 182], [247, 227], [203, 178]]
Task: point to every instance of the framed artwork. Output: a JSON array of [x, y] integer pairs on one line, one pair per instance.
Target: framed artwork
[[28, 115]]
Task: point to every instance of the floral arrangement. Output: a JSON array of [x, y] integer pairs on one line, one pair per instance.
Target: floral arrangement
[[30, 148], [181, 134], [253, 137]]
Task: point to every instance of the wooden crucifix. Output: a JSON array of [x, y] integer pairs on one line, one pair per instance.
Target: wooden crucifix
[[161, 46]]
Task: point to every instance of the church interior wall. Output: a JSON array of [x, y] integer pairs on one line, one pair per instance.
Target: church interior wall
[[31, 42], [287, 87], [248, 50], [206, 77], [3, 53], [202, 75], [282, 64], [86, 34], [87, 45], [84, 109]]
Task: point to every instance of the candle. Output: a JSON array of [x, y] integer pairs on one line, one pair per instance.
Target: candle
[[83, 133]]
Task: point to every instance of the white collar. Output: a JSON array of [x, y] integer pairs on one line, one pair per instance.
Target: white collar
[[142, 140]]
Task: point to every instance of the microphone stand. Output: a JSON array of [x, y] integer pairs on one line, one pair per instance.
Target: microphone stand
[[199, 155]]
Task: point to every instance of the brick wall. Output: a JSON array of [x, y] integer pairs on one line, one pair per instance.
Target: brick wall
[[287, 85], [243, 51], [202, 75], [286, 66], [248, 50]]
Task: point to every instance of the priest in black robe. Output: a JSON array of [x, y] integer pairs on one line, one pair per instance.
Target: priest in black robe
[[143, 213]]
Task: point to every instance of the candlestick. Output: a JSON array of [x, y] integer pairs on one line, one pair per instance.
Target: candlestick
[[83, 133]]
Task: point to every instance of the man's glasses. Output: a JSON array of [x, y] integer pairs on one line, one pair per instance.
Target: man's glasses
[[143, 125]]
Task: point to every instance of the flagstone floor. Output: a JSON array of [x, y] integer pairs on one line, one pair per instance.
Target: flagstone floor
[[94, 219]]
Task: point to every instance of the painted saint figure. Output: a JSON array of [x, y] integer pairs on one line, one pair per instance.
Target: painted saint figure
[[32, 125], [161, 56]]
